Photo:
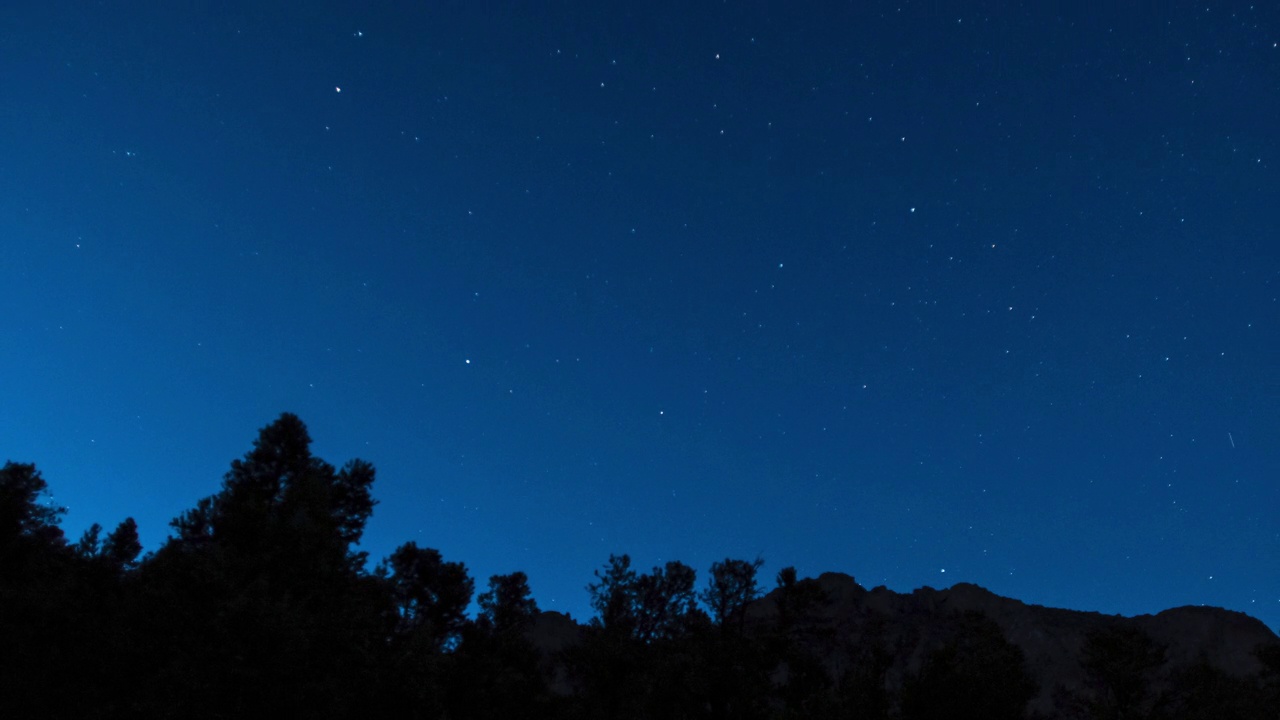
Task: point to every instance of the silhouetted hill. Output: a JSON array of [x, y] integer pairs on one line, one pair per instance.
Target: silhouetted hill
[[909, 626], [260, 603]]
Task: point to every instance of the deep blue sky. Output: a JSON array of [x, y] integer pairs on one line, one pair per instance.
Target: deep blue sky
[[920, 292]]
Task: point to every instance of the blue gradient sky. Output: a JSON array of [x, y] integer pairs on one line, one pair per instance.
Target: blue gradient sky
[[920, 292]]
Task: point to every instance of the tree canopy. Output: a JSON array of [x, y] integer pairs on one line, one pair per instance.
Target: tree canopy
[[261, 603]]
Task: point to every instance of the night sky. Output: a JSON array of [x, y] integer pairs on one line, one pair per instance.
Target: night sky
[[920, 292]]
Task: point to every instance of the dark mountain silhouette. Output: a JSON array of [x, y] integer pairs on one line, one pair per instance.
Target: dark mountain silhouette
[[1053, 641], [259, 603]]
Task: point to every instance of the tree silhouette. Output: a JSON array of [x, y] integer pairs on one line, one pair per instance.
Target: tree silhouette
[[260, 604], [976, 674], [656, 605], [119, 551], [797, 600], [60, 621], [194, 526], [23, 519], [90, 543], [122, 546], [507, 607], [1268, 679], [36, 584], [613, 595], [258, 601], [732, 587], [430, 595], [800, 643], [496, 672], [644, 632], [1201, 691], [861, 691], [1121, 662], [352, 504], [665, 602]]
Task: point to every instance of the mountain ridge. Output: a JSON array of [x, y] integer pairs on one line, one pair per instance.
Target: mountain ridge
[[1052, 640]]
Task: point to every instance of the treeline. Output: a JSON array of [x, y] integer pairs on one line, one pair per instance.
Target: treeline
[[260, 604]]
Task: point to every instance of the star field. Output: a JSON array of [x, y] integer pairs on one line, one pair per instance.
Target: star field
[[925, 294]]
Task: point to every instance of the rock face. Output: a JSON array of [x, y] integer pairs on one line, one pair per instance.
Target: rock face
[[911, 624], [552, 631], [1050, 638]]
